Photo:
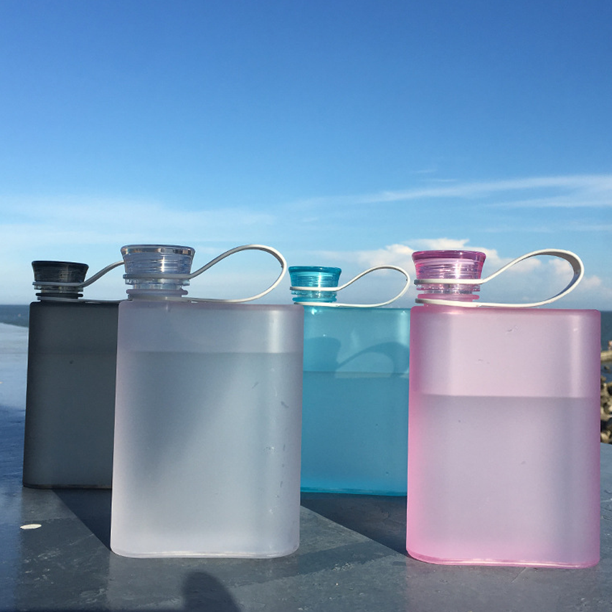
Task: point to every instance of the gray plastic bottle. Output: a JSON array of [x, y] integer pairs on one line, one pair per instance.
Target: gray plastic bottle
[[208, 419], [71, 383]]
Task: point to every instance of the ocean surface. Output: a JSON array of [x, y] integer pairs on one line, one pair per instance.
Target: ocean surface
[[15, 315]]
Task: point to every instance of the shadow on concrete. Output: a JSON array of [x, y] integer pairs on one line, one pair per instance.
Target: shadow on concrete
[[92, 507], [380, 518], [202, 591]]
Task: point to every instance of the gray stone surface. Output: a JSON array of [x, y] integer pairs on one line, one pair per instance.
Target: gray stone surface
[[351, 558]]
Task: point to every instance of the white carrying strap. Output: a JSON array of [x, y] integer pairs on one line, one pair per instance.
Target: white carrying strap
[[157, 275], [335, 289], [248, 247], [572, 258]]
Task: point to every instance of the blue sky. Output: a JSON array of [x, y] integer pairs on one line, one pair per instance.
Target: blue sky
[[341, 132]]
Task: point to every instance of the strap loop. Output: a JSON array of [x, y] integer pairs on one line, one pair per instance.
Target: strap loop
[[335, 289], [249, 247], [572, 258]]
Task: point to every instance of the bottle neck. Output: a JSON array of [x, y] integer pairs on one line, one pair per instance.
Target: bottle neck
[[57, 294], [155, 293], [454, 297]]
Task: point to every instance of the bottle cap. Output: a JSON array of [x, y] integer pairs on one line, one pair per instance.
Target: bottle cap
[[314, 276], [48, 272], [463, 265], [157, 267]]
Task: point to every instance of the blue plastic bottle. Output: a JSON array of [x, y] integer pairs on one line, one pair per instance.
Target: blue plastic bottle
[[355, 390]]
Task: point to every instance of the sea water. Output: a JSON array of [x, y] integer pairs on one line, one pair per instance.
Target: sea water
[[503, 479], [355, 428], [207, 454]]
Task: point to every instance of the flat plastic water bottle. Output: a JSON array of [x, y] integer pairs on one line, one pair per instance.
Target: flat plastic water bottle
[[355, 401], [208, 416], [503, 451], [70, 398]]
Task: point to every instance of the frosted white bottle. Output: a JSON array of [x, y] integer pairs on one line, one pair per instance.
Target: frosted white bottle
[[208, 420]]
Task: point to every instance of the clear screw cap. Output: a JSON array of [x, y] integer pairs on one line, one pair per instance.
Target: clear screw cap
[[157, 266]]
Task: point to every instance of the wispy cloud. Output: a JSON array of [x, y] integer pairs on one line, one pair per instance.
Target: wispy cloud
[[89, 221], [537, 192], [595, 227]]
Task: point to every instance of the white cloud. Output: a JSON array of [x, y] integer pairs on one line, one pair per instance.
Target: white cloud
[[560, 266], [573, 191], [591, 282], [593, 292], [441, 244], [96, 228], [125, 217]]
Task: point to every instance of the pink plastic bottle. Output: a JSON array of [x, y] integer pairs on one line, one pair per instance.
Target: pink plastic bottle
[[503, 459]]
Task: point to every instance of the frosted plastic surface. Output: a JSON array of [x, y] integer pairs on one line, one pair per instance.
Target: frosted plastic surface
[[208, 426], [70, 400], [355, 402], [503, 452]]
